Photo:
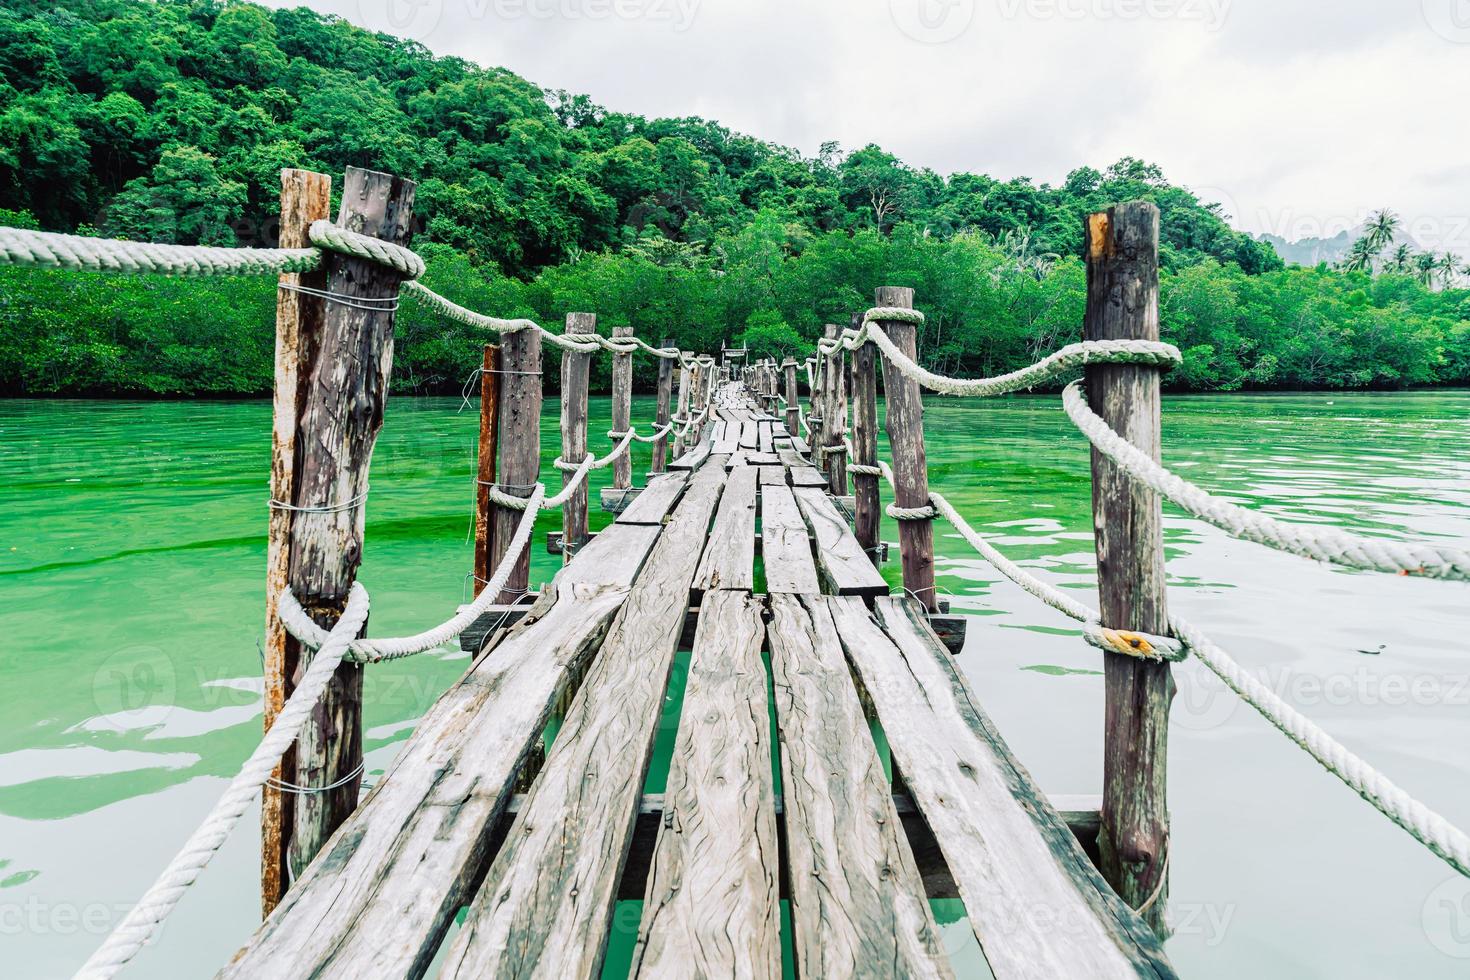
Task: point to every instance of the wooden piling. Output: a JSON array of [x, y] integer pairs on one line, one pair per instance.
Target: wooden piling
[[793, 403], [485, 462], [867, 517], [661, 410], [904, 421], [622, 409], [305, 197], [339, 425], [682, 416], [1123, 303], [517, 449], [834, 415], [574, 369]]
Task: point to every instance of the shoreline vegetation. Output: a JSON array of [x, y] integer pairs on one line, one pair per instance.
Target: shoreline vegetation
[[170, 121]]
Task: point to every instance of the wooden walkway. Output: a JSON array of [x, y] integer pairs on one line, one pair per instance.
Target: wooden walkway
[[736, 552]]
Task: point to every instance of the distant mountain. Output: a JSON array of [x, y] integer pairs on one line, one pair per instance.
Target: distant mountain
[[1311, 251]]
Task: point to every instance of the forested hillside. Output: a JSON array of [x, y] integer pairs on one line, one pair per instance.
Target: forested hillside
[[170, 121]]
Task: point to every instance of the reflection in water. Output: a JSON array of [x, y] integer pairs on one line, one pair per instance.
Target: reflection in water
[[132, 566]]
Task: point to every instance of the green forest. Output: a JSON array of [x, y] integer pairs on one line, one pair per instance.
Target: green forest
[[170, 121]]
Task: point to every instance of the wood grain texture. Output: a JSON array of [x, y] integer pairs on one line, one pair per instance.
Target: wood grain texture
[[904, 420], [1038, 907], [1123, 303], [729, 553], [305, 197], [664, 391], [785, 547], [655, 501], [867, 509], [711, 906], [518, 447], [834, 413], [622, 408], [378, 900], [546, 901], [575, 366], [612, 556], [681, 437], [485, 457], [857, 903], [845, 569], [343, 412]]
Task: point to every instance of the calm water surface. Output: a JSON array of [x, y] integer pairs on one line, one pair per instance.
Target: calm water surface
[[131, 568]]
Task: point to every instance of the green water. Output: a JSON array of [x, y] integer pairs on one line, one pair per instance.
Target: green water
[[131, 568]]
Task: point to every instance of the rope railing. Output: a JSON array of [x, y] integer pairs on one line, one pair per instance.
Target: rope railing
[[1425, 825]]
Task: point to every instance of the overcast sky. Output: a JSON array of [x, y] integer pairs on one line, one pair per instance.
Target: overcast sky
[[1298, 115]]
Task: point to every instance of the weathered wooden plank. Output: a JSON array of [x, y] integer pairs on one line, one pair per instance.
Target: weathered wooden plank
[[767, 436], [547, 899], [653, 504], [696, 455], [771, 475], [800, 445], [762, 459], [1038, 906], [845, 569], [612, 556], [616, 501], [857, 903], [379, 898], [711, 906], [749, 434], [729, 554], [785, 548]]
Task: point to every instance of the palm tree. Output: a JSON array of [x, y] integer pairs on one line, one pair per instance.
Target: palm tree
[[1401, 259], [1381, 229], [1449, 269], [1425, 267], [1360, 256]]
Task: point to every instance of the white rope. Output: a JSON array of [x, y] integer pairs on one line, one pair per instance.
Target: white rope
[[1309, 541], [49, 250], [1428, 827], [366, 651], [144, 918]]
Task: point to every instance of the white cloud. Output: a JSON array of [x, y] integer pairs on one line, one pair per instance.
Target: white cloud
[[1296, 113]]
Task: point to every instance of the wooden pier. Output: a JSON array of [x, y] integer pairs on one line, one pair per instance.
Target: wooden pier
[[742, 539]]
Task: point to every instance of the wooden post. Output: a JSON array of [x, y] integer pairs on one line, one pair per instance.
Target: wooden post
[[834, 415], [793, 403], [904, 421], [485, 476], [622, 409], [305, 197], [661, 411], [681, 415], [517, 449], [867, 517], [1123, 304], [574, 369], [339, 426], [700, 398]]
